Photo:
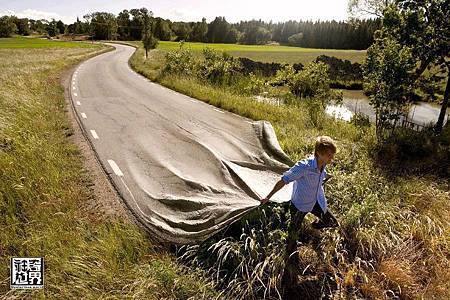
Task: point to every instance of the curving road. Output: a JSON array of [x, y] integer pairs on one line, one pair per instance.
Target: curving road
[[184, 168]]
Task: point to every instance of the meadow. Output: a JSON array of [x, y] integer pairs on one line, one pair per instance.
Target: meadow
[[393, 241], [269, 53], [20, 42], [46, 196]]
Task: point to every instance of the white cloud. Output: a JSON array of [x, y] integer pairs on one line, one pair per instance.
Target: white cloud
[[39, 15], [178, 14]]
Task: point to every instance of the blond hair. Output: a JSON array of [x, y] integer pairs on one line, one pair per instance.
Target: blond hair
[[324, 143]]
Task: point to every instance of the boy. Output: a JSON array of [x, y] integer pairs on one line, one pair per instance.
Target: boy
[[308, 176]]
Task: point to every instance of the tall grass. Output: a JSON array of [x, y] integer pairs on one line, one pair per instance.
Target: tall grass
[[45, 198], [393, 241]]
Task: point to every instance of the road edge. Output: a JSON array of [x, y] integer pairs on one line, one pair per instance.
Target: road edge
[[106, 195]]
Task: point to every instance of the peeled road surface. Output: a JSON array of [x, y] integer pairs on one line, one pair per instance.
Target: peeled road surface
[[183, 167]]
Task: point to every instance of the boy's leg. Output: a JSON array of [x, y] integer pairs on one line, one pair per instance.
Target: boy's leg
[[326, 219], [291, 262], [296, 221]]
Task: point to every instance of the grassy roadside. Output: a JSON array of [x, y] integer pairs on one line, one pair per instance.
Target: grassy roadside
[[45, 196], [394, 239]]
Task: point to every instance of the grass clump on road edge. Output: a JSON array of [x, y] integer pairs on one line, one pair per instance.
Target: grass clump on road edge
[[45, 198], [394, 235]]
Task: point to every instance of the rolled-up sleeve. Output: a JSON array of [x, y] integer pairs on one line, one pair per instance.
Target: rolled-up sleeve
[[294, 173]]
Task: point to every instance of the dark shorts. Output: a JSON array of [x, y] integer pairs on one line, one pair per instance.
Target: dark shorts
[[297, 216]]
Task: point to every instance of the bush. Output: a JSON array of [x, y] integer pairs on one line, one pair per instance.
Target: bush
[[417, 152], [181, 62], [361, 120], [219, 67], [311, 82]]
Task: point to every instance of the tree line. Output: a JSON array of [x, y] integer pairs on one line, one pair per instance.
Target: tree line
[[128, 24]]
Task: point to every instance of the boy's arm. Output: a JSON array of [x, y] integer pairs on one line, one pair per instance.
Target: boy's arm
[[275, 189]]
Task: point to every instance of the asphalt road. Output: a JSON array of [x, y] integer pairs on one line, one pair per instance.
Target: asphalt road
[[184, 168]]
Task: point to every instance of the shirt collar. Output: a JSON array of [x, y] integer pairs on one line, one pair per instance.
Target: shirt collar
[[313, 163]]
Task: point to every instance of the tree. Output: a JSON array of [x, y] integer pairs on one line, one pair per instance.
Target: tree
[[256, 35], [162, 30], [199, 31], [182, 30], [61, 27], [103, 25], [232, 36], [423, 27], [7, 26], [37, 26], [123, 24], [218, 30], [136, 24], [295, 39], [23, 26], [51, 28], [148, 39], [387, 81], [359, 8]]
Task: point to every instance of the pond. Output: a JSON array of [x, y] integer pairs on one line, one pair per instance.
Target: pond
[[354, 101], [421, 113]]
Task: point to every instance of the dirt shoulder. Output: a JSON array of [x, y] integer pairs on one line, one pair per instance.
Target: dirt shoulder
[[105, 201]]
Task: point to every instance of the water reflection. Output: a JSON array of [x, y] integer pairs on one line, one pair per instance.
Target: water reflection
[[339, 111], [355, 101]]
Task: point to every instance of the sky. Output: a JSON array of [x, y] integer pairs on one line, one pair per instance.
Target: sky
[[179, 10]]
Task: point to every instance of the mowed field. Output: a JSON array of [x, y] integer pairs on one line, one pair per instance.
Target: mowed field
[[271, 53], [30, 42]]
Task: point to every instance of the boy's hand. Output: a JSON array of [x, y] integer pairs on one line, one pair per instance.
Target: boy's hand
[[264, 201]]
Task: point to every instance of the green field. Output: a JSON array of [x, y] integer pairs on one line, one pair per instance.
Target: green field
[[269, 53], [30, 42]]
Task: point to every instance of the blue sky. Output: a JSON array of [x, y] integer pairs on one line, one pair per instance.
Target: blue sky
[[187, 10]]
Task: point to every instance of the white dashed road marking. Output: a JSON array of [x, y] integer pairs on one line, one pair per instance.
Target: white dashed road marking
[[94, 134], [83, 115], [78, 103], [75, 94], [115, 167]]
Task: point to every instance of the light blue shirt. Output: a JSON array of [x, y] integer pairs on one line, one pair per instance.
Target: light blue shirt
[[307, 184]]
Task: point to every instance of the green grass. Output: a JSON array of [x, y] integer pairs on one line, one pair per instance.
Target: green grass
[[395, 230], [30, 42], [279, 54], [46, 198]]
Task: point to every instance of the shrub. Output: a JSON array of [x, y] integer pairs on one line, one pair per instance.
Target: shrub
[[361, 120], [219, 67], [311, 82], [181, 62]]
